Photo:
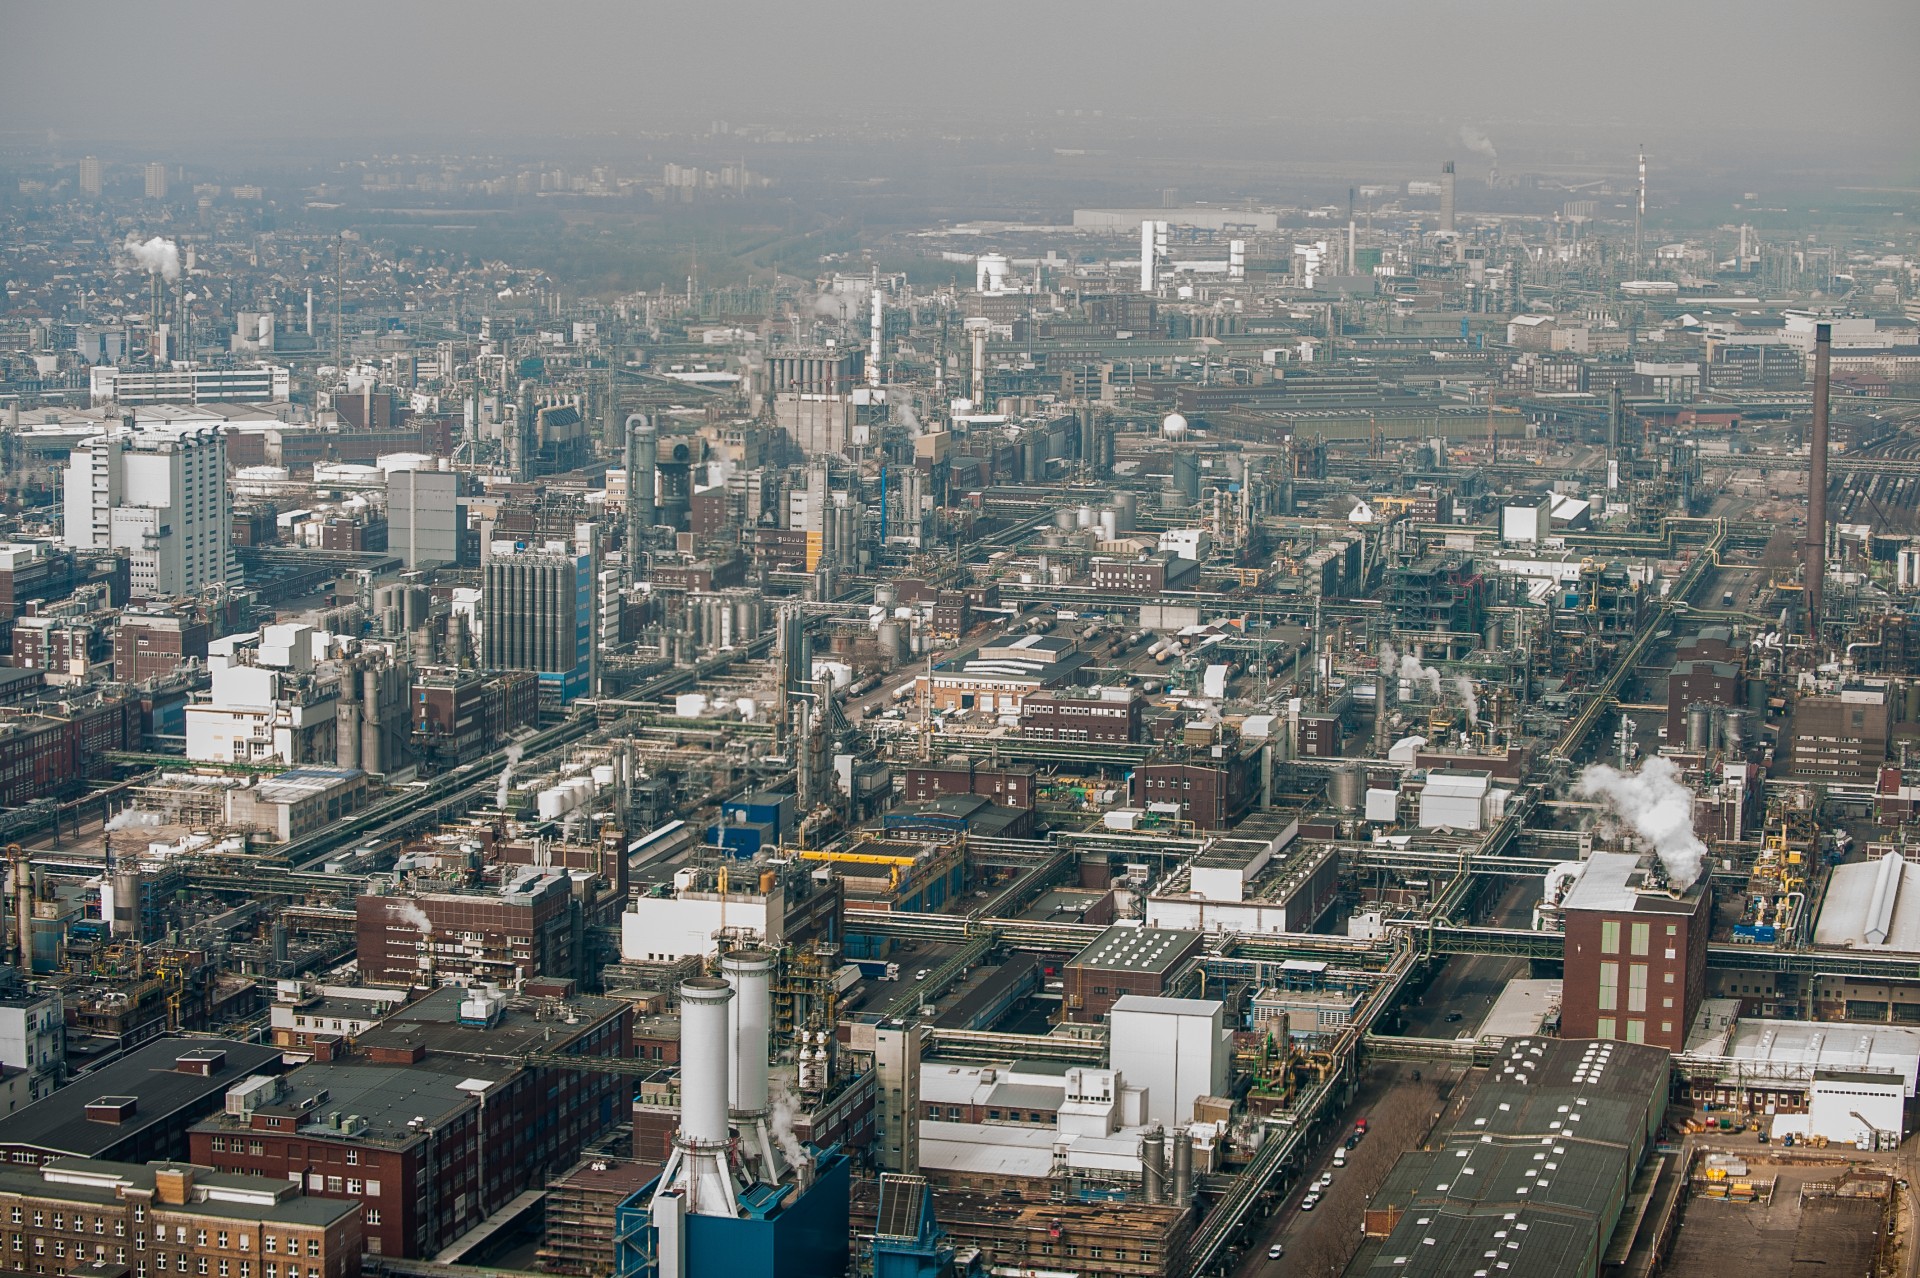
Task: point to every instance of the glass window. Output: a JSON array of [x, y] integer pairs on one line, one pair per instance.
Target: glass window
[[1637, 987], [1636, 1031], [1642, 938], [1603, 1028], [1610, 936], [1609, 988]]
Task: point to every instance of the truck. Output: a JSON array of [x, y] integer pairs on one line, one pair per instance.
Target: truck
[[1726, 599]]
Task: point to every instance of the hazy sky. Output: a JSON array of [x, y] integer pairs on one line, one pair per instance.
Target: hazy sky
[[203, 70]]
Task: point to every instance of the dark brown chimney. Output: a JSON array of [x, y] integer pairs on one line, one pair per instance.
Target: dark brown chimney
[[1817, 478]]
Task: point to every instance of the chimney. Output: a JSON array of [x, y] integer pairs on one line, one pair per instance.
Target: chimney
[[1817, 478], [173, 1184]]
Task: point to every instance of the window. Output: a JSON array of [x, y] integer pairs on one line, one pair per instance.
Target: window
[[1673, 929], [1642, 938], [269, 1243], [353, 1186], [373, 1189], [1603, 1028], [1609, 988], [335, 1184], [1666, 1027], [226, 1269], [1636, 1031], [313, 1246], [246, 1242], [373, 1218], [353, 1158], [219, 1144], [223, 1240], [271, 1269], [1637, 987], [200, 1265], [256, 1148], [199, 1237], [1610, 936]]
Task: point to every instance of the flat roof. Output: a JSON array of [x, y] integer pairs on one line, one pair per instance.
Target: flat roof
[[59, 1123], [1136, 949], [1807, 1046], [1872, 899]]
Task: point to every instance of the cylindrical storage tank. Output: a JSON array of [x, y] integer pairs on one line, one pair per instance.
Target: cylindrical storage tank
[[1699, 728], [705, 1082], [1347, 788], [1083, 517], [1182, 1167], [1911, 696], [1063, 519], [1152, 1166], [888, 637], [415, 602], [1757, 698], [550, 803], [749, 1023], [1733, 731], [1109, 525], [1126, 508]]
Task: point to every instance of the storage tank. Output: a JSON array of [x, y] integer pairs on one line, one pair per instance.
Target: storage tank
[[551, 803], [1126, 507], [689, 705], [1347, 788], [1699, 729], [1109, 525], [1063, 519], [1733, 731]]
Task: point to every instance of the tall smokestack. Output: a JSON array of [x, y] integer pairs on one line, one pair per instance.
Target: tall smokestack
[[1817, 478], [642, 457], [697, 1169], [1446, 197], [873, 350], [749, 1031]]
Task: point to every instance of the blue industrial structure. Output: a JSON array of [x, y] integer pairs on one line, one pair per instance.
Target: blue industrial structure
[[783, 1231], [907, 1241]]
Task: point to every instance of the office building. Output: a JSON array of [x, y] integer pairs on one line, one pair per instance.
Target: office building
[[423, 517], [1636, 952], [1841, 737], [156, 174], [159, 493], [90, 183], [536, 613]]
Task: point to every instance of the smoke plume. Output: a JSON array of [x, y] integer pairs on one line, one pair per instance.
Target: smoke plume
[[413, 916], [1468, 697], [128, 818], [782, 1106], [1657, 807], [1479, 143], [157, 256], [506, 778]]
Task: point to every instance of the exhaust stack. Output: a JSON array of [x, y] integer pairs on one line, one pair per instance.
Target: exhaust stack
[[698, 1171], [1817, 477], [749, 1031]]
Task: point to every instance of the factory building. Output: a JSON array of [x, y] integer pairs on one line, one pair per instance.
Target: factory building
[[1538, 1168], [517, 932], [248, 384], [1122, 961], [537, 614], [424, 517], [159, 493], [730, 1203], [1636, 952]]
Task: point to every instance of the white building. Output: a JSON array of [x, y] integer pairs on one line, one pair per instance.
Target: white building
[[33, 1046], [423, 516], [1456, 801], [663, 929], [1174, 1049], [160, 493], [254, 384], [266, 705]]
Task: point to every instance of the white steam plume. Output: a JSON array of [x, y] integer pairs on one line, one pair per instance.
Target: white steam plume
[[1464, 686], [412, 915], [781, 1109], [1479, 143], [157, 256], [506, 778], [904, 415], [1658, 807], [128, 818], [1420, 676]]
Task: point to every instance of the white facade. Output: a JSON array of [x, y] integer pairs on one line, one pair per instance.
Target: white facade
[[1173, 1049], [264, 706], [1533, 522], [1854, 1109], [260, 384], [1454, 801], [423, 516], [160, 493], [33, 1039], [661, 929]]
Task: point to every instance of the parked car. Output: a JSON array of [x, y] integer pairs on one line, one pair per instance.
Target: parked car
[[1276, 1251], [1309, 1202]]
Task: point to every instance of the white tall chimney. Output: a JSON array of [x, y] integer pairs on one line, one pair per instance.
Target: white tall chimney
[[749, 1033], [873, 353], [698, 1167]]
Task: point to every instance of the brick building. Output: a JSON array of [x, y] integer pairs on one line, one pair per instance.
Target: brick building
[[1636, 953], [436, 1121], [1099, 714], [1841, 736], [1699, 683], [1122, 961], [88, 1215], [460, 715], [1213, 792], [1163, 570], [480, 935], [50, 750], [151, 645], [1010, 785]]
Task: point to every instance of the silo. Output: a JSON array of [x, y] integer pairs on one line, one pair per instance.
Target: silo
[[1126, 507], [1733, 731], [1347, 788], [1109, 525], [1153, 1166], [1186, 476], [1699, 728]]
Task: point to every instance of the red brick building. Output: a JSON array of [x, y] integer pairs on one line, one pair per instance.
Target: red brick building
[[153, 645], [1122, 961], [1636, 953], [483, 935], [1213, 792], [1162, 570], [1098, 714], [1010, 785], [435, 1122]]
